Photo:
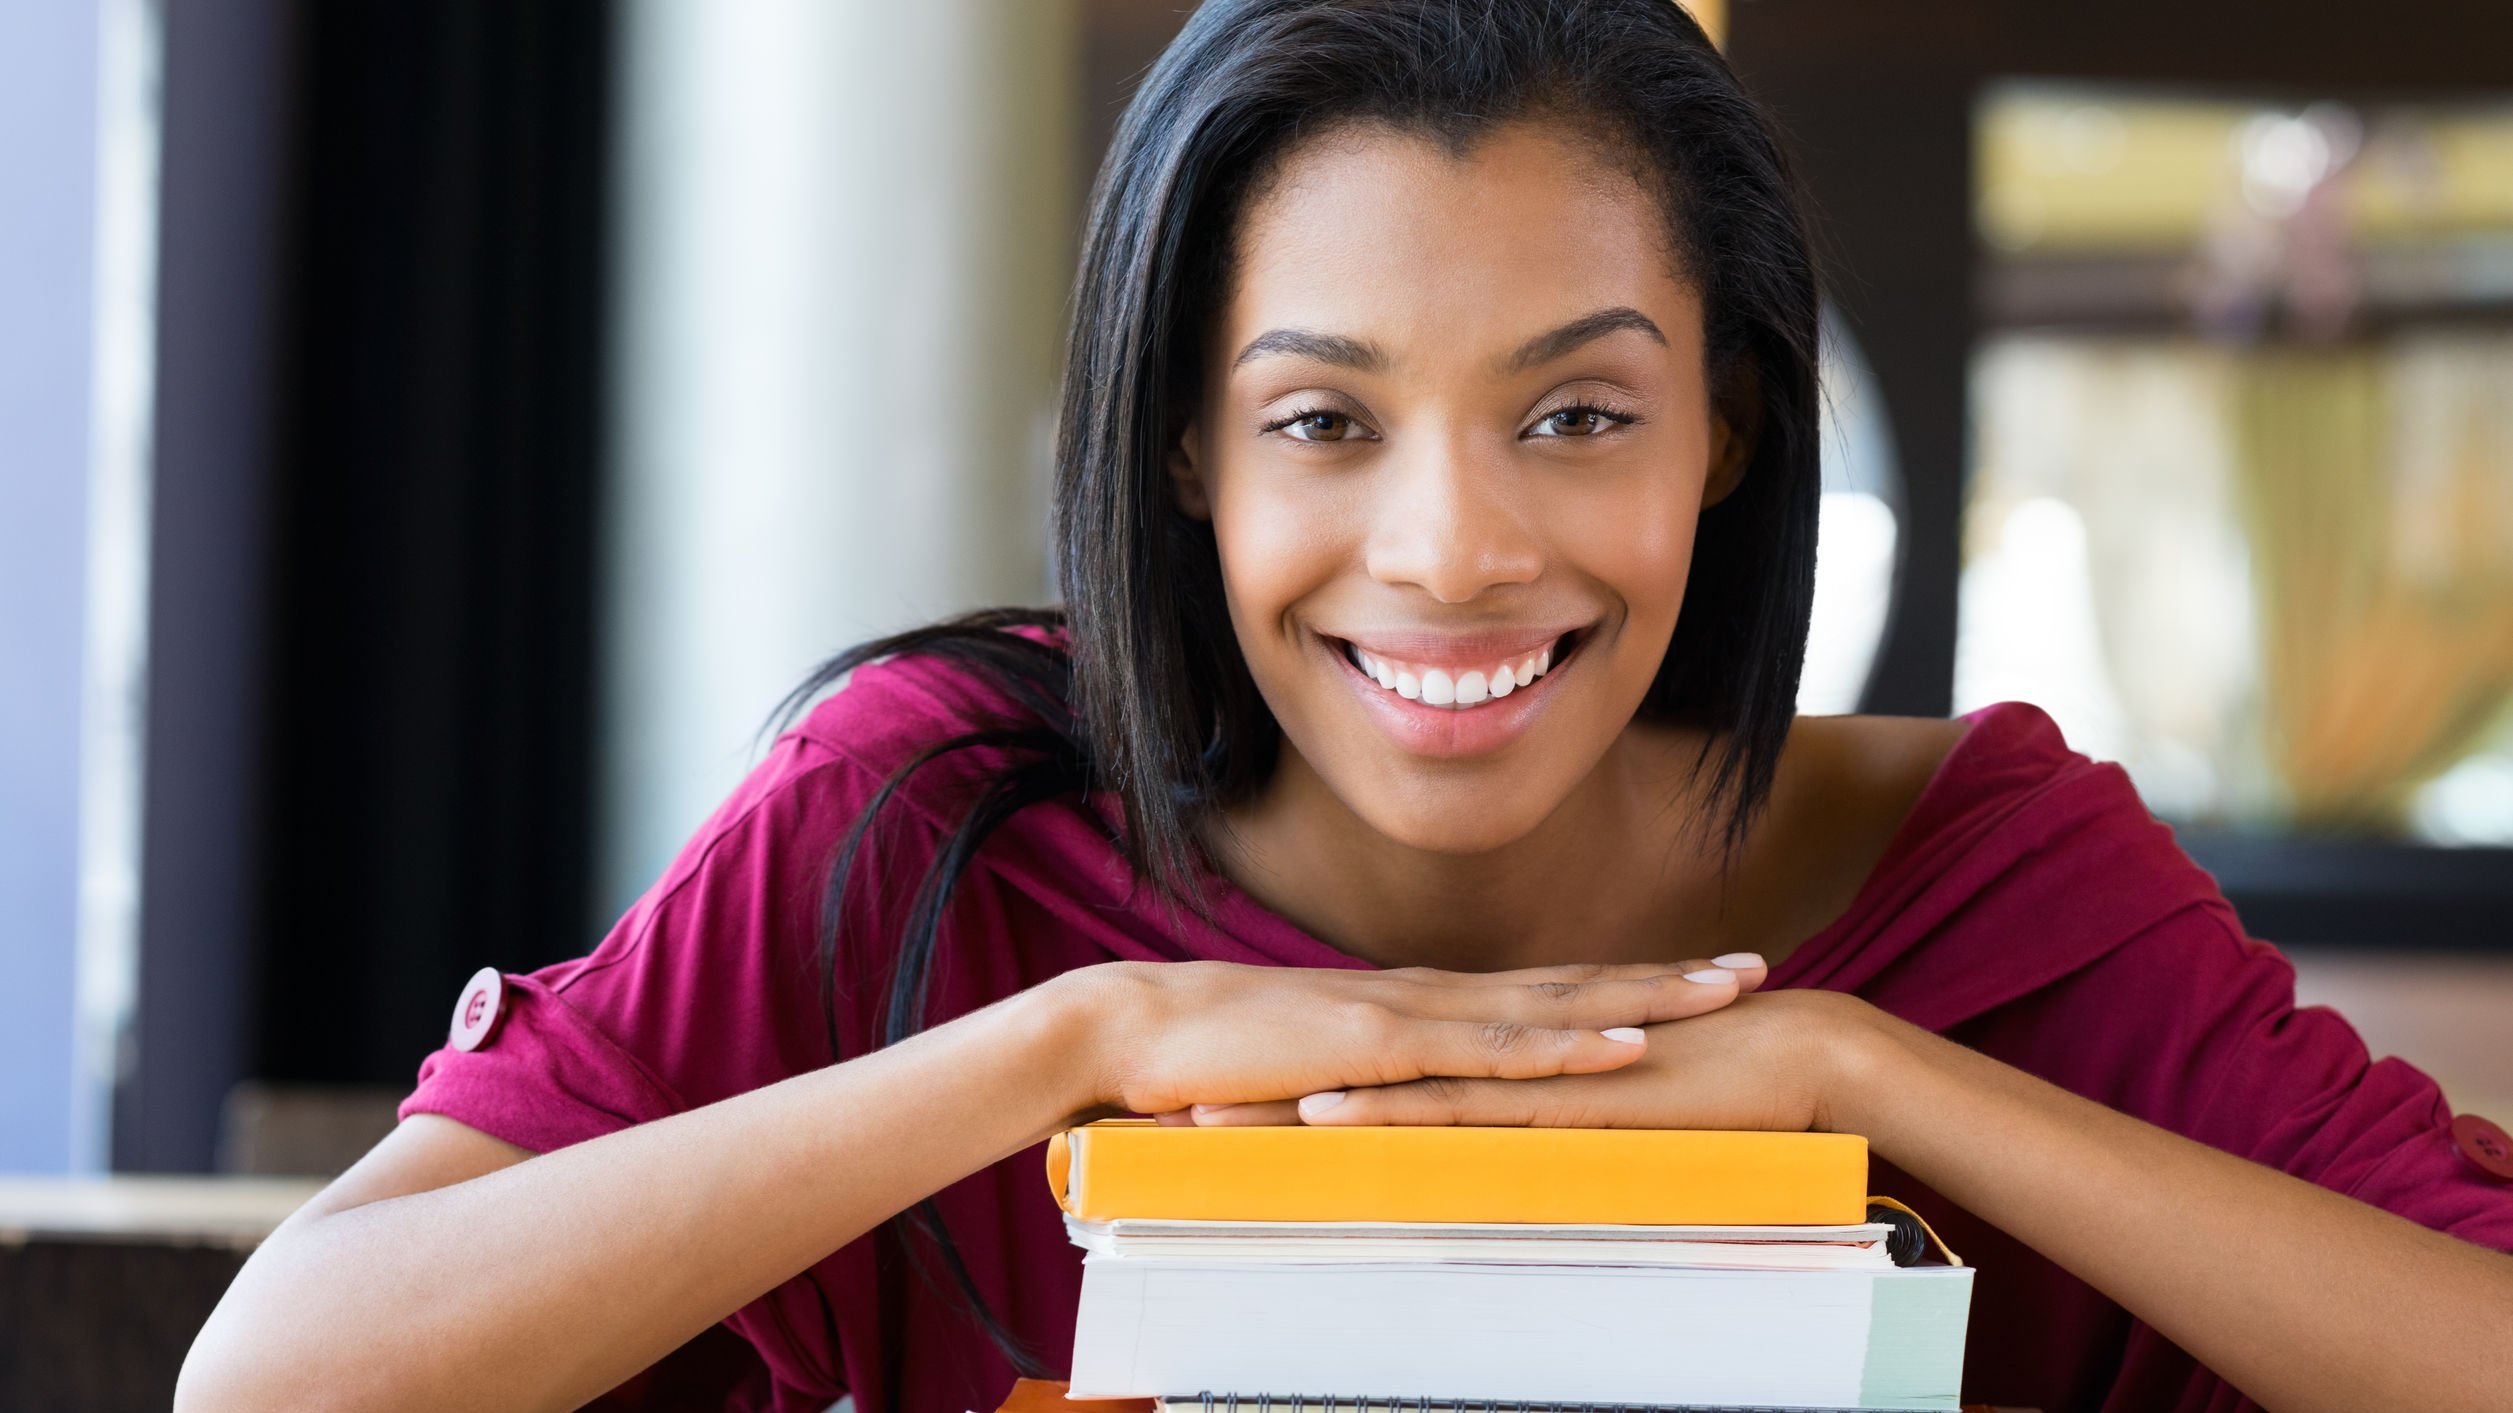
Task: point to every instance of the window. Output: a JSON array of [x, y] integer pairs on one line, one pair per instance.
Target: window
[[2240, 513]]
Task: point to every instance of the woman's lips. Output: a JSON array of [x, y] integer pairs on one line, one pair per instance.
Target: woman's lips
[[1480, 718], [1457, 687]]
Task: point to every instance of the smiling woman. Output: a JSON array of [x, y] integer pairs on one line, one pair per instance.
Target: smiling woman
[[1456, 448], [1436, 507]]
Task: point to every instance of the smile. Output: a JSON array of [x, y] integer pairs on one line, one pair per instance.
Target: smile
[[1457, 686]]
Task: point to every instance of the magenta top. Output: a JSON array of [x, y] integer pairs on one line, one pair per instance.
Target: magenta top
[[2029, 907]]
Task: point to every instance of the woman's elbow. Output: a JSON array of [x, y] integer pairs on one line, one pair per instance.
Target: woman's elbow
[[249, 1357]]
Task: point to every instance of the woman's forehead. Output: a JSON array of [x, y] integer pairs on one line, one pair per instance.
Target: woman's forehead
[[1401, 239]]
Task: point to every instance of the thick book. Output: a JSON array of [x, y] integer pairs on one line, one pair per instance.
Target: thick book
[[1137, 1168], [1673, 1336]]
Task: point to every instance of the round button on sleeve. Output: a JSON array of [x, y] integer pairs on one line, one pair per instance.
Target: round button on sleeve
[[476, 1013], [2485, 1145]]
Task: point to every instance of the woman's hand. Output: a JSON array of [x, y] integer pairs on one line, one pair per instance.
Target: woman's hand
[[2068, 1177], [1171, 1038], [1771, 1062]]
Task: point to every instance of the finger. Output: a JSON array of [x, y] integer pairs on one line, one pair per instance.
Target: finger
[[1279, 1111], [1486, 1103], [1529, 976], [1750, 968], [1175, 1118], [1661, 994], [1501, 1049]]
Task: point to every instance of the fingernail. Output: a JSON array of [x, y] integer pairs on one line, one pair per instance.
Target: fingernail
[[1317, 1104], [1628, 1034], [1738, 959], [1711, 976], [1202, 1110]]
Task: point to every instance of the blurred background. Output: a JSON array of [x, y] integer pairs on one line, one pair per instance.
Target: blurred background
[[435, 433]]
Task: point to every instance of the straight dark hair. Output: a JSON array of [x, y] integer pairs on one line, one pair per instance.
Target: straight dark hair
[[1150, 701]]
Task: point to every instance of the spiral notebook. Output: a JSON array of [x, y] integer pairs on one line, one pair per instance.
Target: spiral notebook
[[1049, 1396]]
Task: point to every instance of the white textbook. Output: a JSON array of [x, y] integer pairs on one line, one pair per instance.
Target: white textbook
[[1455, 1332]]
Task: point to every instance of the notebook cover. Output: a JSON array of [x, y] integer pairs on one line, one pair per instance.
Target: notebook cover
[[1120, 1168]]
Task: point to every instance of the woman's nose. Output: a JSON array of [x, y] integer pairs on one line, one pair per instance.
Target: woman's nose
[[1451, 524]]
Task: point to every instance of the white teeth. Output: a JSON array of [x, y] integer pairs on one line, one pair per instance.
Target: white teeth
[[1435, 687], [1375, 669]]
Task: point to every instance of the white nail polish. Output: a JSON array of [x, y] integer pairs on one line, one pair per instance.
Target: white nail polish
[[1317, 1104], [1628, 1034], [1738, 959], [1711, 976]]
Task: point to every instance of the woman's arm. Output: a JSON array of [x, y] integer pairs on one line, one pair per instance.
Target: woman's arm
[[2302, 1298], [547, 1282], [450, 1271]]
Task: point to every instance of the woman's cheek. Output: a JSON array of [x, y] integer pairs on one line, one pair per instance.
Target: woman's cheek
[[1634, 535], [1280, 540]]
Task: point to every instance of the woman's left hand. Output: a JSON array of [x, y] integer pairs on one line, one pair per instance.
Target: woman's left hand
[[2241, 1277], [1769, 1062]]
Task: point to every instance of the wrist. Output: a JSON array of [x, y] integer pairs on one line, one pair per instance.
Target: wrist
[[1860, 1062], [1071, 1015]]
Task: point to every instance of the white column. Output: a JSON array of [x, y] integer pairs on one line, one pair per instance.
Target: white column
[[48, 147], [845, 235]]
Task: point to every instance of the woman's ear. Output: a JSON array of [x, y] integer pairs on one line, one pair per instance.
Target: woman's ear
[[1186, 475], [1735, 423]]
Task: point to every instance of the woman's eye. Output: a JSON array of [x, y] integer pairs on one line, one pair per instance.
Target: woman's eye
[[1318, 427], [1581, 421]]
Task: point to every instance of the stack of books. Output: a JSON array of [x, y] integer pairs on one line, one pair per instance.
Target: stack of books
[[1276, 1267]]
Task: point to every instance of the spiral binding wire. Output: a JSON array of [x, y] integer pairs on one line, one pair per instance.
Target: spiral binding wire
[[1907, 1243]]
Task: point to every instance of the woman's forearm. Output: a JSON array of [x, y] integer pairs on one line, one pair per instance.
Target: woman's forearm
[[544, 1284], [546, 1281], [2300, 1297]]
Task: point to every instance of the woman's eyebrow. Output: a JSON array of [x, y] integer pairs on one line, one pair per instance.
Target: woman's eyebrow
[[1585, 329], [1370, 358], [1308, 343]]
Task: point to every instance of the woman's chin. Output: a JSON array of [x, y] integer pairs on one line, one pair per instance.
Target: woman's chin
[[1470, 826]]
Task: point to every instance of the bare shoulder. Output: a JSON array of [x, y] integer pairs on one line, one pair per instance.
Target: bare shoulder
[[1884, 753], [1844, 787], [1856, 777]]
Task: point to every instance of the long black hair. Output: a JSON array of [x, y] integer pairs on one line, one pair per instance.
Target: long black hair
[[1150, 701]]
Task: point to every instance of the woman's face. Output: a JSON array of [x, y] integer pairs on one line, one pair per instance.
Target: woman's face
[[1454, 439]]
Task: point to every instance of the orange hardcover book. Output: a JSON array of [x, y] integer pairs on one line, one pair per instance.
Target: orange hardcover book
[[1137, 1168]]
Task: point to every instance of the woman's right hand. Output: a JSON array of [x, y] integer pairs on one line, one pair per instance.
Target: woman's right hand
[[1213, 1042]]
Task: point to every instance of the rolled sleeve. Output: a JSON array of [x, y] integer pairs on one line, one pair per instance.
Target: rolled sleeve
[[546, 1078]]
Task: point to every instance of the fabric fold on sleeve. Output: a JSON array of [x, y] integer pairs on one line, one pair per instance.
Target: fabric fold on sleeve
[[546, 1077]]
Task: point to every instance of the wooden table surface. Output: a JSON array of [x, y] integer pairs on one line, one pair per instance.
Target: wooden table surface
[[190, 1211]]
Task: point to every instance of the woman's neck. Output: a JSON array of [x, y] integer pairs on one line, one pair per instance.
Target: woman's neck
[[1617, 873]]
